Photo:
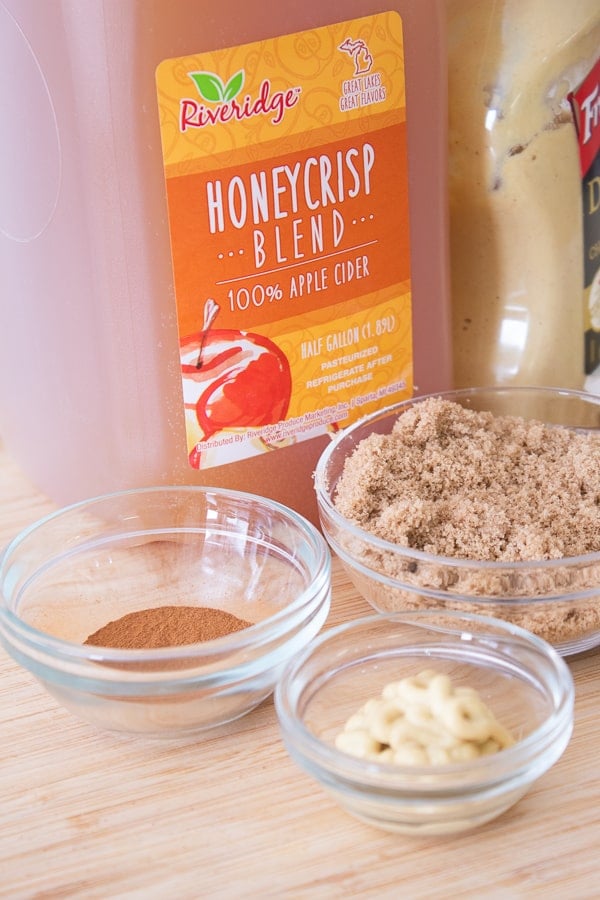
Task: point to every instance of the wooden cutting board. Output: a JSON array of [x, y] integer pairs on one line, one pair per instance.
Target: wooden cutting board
[[90, 814]]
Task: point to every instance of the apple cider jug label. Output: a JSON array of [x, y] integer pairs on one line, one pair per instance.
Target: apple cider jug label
[[287, 190]]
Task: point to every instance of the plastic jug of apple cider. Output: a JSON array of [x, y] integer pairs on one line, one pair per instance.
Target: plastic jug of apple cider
[[223, 235]]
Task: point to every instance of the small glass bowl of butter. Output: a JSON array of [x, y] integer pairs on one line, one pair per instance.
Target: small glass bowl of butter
[[337, 708]]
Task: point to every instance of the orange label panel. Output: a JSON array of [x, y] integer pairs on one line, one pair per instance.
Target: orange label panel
[[287, 189]]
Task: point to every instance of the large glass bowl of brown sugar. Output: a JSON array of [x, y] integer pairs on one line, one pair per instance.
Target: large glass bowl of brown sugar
[[163, 611], [482, 500]]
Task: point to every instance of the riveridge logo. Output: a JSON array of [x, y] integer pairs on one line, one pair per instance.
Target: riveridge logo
[[226, 105]]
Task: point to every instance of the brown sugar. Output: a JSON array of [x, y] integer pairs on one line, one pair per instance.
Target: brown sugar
[[456, 482], [468, 485]]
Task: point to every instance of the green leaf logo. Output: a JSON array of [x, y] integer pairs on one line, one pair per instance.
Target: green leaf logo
[[213, 89], [234, 85]]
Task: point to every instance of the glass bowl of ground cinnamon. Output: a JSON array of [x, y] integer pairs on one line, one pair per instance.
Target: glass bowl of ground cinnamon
[[481, 500], [426, 722], [163, 611]]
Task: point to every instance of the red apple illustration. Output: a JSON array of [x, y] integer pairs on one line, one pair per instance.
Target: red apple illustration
[[234, 379]]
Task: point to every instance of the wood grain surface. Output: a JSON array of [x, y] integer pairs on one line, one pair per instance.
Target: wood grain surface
[[90, 814]]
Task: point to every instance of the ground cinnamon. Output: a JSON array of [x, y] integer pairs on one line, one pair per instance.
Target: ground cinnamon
[[166, 626]]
